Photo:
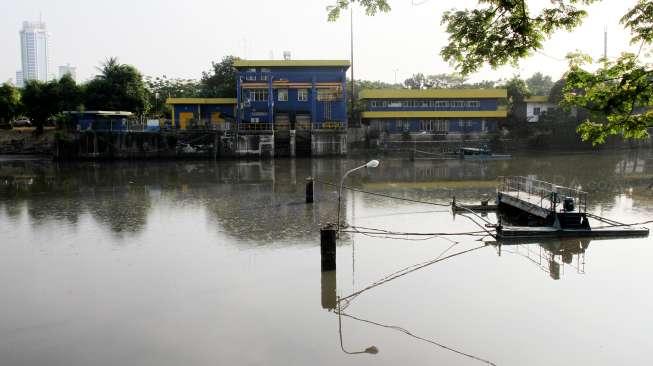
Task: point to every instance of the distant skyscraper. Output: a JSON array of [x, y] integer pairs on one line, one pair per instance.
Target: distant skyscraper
[[19, 79], [68, 69], [35, 51]]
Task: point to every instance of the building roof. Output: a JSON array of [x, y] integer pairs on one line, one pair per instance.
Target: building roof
[[103, 113], [291, 63], [501, 113], [201, 101], [432, 93], [537, 99]]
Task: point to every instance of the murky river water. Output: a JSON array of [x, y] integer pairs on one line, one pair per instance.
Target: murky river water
[[218, 263]]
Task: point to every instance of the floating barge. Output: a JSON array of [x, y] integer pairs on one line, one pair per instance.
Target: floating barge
[[552, 211]]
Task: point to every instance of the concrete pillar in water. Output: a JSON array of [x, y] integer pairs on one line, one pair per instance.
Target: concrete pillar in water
[[328, 247], [309, 190], [329, 287], [292, 143]]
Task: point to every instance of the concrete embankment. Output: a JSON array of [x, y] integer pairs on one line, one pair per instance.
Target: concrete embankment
[[21, 141]]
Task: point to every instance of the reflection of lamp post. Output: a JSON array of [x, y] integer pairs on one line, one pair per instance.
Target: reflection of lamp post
[[371, 349], [369, 164]]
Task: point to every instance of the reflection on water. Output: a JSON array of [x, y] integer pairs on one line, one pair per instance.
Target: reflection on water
[[185, 262]]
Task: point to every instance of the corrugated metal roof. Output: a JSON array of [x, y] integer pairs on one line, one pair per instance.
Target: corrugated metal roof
[[201, 101], [537, 99], [432, 93], [291, 63]]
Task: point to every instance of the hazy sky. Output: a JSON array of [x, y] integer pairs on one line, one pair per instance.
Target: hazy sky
[[181, 38]]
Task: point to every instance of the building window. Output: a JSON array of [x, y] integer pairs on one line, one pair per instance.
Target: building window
[[264, 74], [473, 104], [282, 95], [302, 95], [258, 95], [325, 95], [250, 74], [379, 104], [465, 123], [458, 104], [536, 111]]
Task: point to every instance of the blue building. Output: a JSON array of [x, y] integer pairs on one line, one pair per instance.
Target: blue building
[[105, 121], [291, 94], [452, 112], [211, 113]]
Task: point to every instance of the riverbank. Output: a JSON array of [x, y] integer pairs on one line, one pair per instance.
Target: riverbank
[[23, 141], [198, 144]]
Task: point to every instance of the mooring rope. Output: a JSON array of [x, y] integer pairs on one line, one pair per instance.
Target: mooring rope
[[405, 331], [410, 270], [382, 194]]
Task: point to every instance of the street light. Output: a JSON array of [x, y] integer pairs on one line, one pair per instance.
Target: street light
[[369, 164]]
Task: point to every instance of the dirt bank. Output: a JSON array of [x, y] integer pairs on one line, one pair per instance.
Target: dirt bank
[[23, 141]]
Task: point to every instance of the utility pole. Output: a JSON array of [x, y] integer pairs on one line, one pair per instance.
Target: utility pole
[[395, 70], [605, 42], [351, 37]]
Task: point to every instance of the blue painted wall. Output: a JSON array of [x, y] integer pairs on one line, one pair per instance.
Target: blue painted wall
[[292, 107], [414, 125], [485, 105]]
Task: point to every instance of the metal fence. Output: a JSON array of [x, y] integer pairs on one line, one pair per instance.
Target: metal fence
[[546, 192]]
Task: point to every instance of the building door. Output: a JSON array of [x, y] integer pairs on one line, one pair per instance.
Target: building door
[[184, 119], [282, 121]]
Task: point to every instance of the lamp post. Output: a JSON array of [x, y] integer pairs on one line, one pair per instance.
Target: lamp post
[[369, 164]]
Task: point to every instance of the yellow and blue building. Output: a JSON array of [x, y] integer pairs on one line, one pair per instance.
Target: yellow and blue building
[[291, 94], [434, 111], [213, 113]]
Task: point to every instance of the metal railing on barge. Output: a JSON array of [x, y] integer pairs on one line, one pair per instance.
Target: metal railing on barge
[[549, 194]]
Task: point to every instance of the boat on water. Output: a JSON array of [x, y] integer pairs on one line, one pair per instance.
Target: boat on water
[[480, 153]]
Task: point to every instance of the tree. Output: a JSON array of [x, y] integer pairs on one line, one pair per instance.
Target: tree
[[556, 94], [220, 82], [618, 97], [437, 81], [160, 88], [539, 84], [9, 103], [69, 94], [498, 32], [418, 81], [41, 101], [517, 93], [117, 87]]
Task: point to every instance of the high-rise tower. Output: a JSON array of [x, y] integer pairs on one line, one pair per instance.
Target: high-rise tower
[[35, 51]]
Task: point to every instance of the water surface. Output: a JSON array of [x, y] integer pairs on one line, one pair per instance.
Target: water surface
[[169, 263]]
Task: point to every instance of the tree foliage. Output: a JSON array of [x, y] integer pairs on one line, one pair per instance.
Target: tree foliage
[[220, 82], [539, 84], [371, 7], [118, 87], [41, 101], [161, 88], [9, 103], [617, 96], [500, 32], [517, 91]]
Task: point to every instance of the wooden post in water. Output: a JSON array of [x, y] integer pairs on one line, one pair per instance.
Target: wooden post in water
[[328, 247], [309, 190]]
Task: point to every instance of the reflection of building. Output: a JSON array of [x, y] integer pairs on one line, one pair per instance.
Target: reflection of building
[[35, 51], [452, 112]]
